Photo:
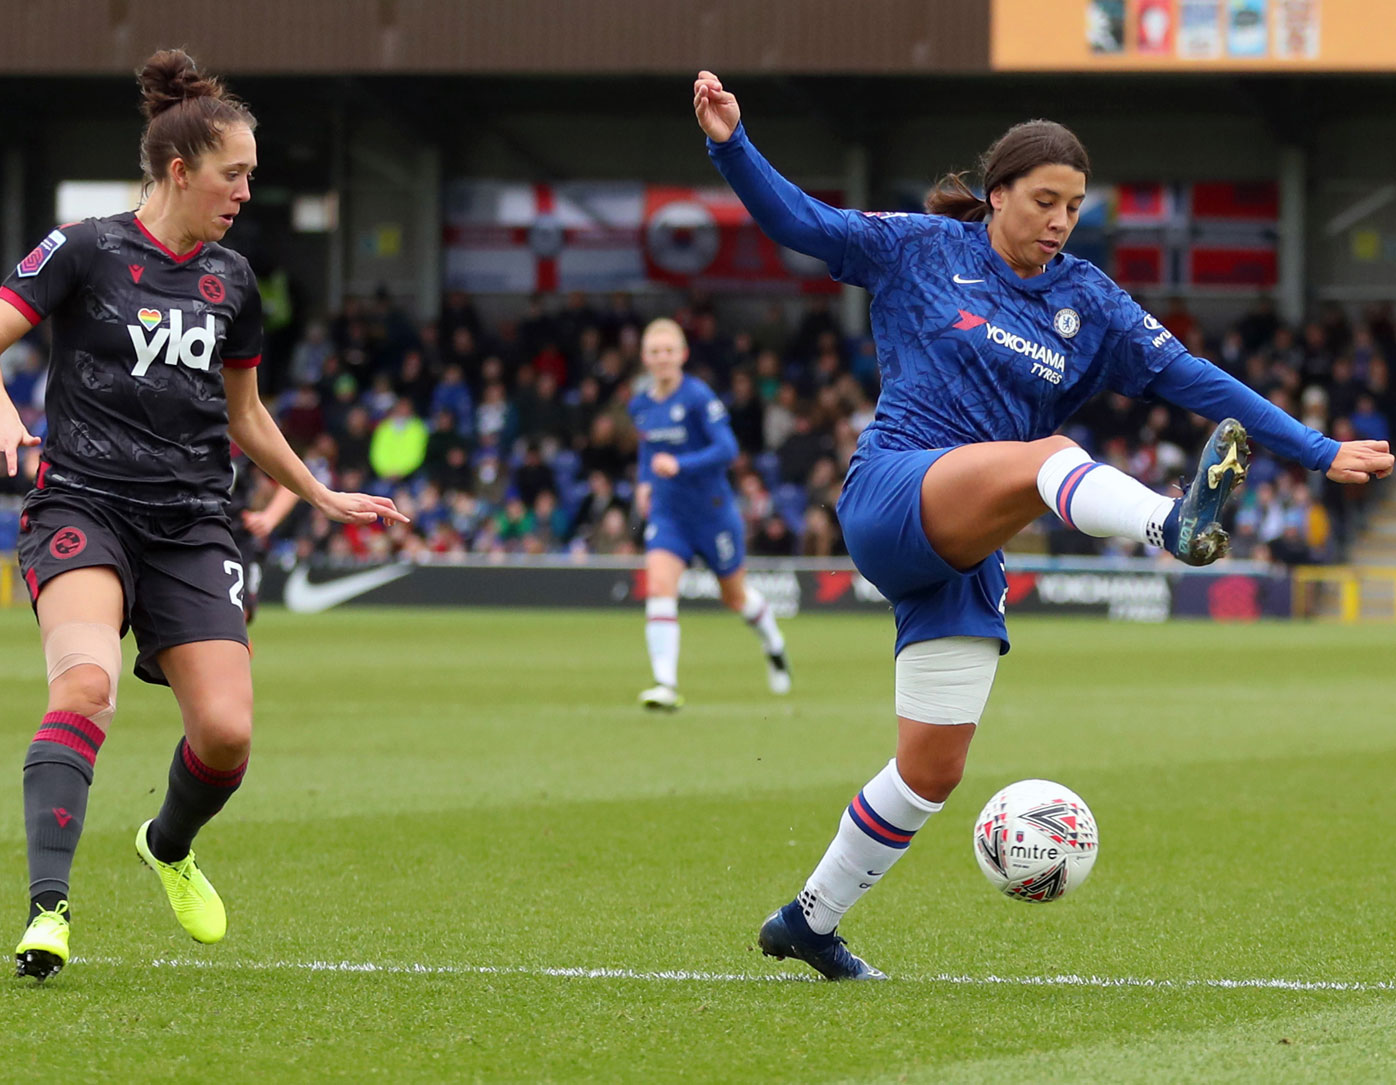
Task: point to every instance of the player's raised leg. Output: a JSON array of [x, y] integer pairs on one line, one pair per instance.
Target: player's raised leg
[[942, 686], [662, 571], [212, 680], [79, 618], [996, 489], [756, 611]]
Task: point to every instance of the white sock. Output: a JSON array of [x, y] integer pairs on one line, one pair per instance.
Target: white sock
[[662, 636], [874, 833], [1096, 499], [757, 614]]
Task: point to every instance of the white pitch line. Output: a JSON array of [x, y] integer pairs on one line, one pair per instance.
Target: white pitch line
[[683, 975]]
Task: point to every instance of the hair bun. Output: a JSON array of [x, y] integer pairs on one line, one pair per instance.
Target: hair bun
[[168, 78]]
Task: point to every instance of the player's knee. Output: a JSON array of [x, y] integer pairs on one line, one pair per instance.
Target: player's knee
[[84, 689], [221, 733], [223, 748], [83, 661], [935, 780], [1050, 446]]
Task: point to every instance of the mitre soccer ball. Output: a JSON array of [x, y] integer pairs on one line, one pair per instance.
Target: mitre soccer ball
[[1036, 840]]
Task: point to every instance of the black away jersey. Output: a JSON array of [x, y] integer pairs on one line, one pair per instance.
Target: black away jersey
[[135, 399]]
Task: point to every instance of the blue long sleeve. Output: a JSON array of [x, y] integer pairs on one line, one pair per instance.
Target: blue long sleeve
[[719, 453], [788, 215], [1201, 387]]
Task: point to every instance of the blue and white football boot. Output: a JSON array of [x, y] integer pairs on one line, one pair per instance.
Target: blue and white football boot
[[786, 934], [1193, 533]]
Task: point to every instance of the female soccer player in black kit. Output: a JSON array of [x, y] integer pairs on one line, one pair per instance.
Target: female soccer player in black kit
[[156, 336]]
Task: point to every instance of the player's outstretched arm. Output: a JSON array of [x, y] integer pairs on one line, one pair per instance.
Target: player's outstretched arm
[[787, 214], [256, 432], [1201, 387], [14, 435]]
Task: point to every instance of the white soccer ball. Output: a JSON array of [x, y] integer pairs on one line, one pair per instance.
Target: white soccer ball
[[1036, 840]]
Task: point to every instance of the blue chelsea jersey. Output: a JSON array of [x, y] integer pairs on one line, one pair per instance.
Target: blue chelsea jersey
[[691, 424], [969, 351]]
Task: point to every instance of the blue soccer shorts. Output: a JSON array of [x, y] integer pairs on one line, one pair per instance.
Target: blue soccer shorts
[[880, 514], [718, 539]]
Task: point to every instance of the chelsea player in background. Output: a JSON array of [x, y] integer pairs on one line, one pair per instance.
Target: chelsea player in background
[[686, 446], [988, 338]]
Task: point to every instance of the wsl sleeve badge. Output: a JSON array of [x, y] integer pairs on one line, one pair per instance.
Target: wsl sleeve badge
[[32, 264]]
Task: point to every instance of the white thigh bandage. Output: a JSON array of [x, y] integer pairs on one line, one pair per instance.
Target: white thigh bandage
[[73, 644], [947, 680]]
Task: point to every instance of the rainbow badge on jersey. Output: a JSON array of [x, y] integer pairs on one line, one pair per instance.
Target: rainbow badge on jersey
[[32, 264]]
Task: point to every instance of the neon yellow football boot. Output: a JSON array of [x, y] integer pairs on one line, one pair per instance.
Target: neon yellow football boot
[[195, 902], [43, 951]]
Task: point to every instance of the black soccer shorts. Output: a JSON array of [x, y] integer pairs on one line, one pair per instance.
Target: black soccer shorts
[[181, 574]]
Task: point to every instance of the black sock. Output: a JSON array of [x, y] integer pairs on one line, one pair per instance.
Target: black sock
[[47, 902], [195, 794], [57, 776]]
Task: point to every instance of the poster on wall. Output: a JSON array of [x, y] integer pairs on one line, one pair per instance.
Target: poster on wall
[[1199, 29], [1154, 27], [1296, 29], [1105, 26], [1246, 32]]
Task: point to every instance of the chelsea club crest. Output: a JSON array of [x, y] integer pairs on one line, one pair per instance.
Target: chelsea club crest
[[1066, 323]]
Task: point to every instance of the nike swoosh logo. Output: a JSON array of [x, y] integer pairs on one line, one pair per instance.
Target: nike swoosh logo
[[303, 597], [966, 282]]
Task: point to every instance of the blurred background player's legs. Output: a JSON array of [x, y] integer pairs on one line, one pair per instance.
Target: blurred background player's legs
[[662, 571], [756, 611]]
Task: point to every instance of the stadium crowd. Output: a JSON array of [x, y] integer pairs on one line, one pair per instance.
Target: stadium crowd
[[512, 436]]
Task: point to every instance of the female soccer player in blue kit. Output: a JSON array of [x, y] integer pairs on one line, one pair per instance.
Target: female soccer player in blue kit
[[989, 337], [686, 445]]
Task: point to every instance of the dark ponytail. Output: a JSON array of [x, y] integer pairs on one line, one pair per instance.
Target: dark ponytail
[[1014, 154], [955, 199], [186, 112]]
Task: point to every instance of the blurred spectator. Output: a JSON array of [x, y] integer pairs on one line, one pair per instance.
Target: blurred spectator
[[822, 537], [354, 440], [1367, 422], [302, 420], [511, 523], [415, 383], [399, 444], [452, 396], [308, 356], [532, 476], [604, 451], [550, 524], [773, 539], [612, 535], [494, 418], [447, 459], [600, 498], [746, 413]]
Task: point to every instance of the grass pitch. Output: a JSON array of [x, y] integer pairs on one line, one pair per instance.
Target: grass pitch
[[462, 853]]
